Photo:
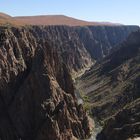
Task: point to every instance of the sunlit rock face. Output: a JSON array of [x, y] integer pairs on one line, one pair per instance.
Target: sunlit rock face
[[67, 43], [36, 90]]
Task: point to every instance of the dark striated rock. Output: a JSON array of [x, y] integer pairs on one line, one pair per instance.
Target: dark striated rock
[[125, 125], [113, 87], [65, 40], [99, 40], [36, 90]]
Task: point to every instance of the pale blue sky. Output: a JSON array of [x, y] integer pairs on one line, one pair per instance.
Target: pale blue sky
[[119, 11]]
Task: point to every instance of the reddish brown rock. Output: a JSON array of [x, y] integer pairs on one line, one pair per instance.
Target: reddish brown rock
[[36, 91]]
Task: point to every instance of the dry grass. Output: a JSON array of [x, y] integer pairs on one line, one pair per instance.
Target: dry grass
[[48, 20]]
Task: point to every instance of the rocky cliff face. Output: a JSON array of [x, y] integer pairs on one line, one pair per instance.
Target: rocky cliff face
[[126, 123], [36, 90], [80, 47], [67, 43], [113, 89], [99, 40]]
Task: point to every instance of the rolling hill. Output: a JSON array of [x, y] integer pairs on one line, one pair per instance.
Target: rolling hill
[[48, 20]]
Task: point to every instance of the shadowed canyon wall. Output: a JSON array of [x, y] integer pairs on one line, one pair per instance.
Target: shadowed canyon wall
[[112, 87], [99, 40], [36, 89]]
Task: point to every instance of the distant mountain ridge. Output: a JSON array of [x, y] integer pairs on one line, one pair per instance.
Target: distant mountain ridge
[[58, 20], [49, 20], [7, 19], [3, 15]]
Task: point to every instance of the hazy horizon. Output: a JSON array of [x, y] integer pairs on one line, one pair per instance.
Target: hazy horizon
[[123, 12]]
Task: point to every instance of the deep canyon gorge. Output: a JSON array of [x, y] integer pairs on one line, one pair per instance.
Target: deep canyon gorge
[[41, 67]]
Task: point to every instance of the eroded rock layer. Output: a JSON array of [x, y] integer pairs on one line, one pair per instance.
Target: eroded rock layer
[[99, 40], [36, 89], [37, 98], [113, 88]]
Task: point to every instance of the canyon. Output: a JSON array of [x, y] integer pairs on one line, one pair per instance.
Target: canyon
[[39, 61], [112, 88]]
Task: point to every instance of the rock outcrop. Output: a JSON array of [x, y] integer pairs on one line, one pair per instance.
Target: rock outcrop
[[125, 125], [99, 40], [113, 89], [67, 43], [36, 91]]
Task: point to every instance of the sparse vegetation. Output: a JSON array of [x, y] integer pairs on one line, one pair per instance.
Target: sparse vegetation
[[86, 102]]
